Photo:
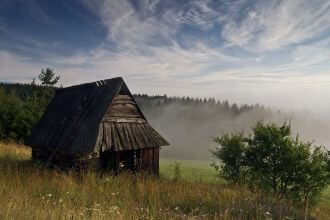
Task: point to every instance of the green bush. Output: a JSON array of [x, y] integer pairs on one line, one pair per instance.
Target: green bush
[[232, 156], [271, 160]]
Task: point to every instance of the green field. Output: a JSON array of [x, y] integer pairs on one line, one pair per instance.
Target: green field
[[191, 170]]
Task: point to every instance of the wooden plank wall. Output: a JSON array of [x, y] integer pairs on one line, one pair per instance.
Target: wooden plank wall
[[124, 109], [149, 160]]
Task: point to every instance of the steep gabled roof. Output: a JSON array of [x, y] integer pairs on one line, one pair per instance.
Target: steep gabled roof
[[73, 119]]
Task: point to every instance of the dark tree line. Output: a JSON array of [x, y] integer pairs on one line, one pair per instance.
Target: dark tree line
[[22, 105], [147, 102]]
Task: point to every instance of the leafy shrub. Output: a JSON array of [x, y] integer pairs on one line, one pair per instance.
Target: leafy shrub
[[231, 153], [273, 161]]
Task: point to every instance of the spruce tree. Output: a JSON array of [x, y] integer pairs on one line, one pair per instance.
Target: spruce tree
[[47, 77]]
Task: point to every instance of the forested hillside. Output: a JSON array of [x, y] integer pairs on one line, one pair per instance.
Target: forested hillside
[[187, 123]]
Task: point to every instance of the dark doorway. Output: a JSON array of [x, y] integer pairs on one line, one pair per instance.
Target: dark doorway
[[119, 161]]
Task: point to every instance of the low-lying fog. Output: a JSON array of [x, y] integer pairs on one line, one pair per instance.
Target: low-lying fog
[[190, 129]]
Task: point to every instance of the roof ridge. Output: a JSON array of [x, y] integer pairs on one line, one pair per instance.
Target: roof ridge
[[98, 83]]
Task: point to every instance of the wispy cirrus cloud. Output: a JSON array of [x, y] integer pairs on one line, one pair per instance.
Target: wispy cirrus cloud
[[272, 25], [153, 23]]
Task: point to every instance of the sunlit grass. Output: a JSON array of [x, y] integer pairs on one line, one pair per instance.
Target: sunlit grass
[[28, 191]]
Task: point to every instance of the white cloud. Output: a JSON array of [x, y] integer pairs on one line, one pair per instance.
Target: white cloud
[[274, 24]]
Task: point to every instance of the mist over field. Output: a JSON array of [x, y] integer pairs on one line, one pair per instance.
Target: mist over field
[[190, 129]]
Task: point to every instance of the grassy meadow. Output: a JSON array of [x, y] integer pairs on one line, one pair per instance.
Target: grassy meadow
[[190, 170], [28, 191]]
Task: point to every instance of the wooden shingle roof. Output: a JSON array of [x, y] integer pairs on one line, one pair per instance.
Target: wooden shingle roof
[[73, 121]]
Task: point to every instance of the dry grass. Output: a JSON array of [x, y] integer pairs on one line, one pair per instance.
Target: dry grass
[[28, 191]]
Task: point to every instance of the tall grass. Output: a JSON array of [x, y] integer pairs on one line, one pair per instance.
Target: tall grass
[[28, 191]]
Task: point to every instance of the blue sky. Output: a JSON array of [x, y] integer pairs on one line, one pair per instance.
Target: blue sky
[[248, 51]]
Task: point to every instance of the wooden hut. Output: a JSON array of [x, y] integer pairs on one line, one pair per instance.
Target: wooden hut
[[96, 125]]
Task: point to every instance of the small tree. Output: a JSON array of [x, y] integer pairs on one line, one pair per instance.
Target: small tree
[[231, 155], [275, 162], [48, 78], [270, 157]]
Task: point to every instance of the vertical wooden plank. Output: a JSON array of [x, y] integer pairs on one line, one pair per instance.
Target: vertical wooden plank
[[116, 142], [138, 159], [150, 159], [145, 159], [156, 161]]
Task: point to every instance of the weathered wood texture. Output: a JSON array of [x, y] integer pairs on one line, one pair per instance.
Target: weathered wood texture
[[125, 128], [129, 136], [124, 109], [149, 160]]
